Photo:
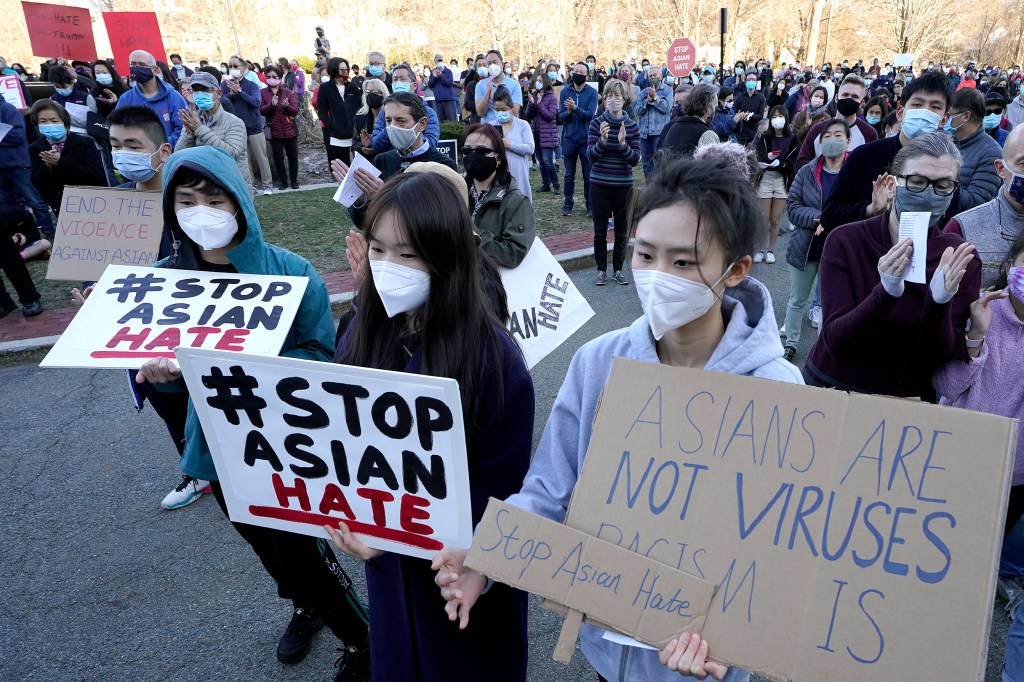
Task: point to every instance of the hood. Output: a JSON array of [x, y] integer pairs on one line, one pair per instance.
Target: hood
[[217, 167]]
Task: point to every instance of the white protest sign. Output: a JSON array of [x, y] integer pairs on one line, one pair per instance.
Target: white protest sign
[[914, 226], [99, 226], [904, 59], [348, 191], [545, 306], [11, 92], [137, 314], [298, 444]]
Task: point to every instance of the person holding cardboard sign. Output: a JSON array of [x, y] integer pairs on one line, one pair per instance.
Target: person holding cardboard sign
[[696, 231], [423, 310]]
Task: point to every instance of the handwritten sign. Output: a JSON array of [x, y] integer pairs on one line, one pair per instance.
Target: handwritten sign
[[98, 227], [299, 444], [545, 306], [135, 314], [60, 31], [11, 92], [130, 31], [845, 532], [609, 584]]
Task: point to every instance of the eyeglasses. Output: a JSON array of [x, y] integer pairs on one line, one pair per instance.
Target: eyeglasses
[[916, 184], [479, 150]]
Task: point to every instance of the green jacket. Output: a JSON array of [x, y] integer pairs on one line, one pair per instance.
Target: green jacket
[[505, 222], [312, 332]]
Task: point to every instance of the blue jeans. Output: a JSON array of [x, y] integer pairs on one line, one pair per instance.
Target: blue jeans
[[1013, 662], [548, 171], [800, 282], [17, 184], [571, 151], [816, 301], [648, 149]]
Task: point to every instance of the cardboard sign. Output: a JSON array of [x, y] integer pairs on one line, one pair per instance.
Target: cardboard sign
[[682, 56], [449, 148], [847, 534], [639, 596], [546, 307], [299, 444], [99, 226], [59, 31], [11, 92], [137, 314], [130, 31]]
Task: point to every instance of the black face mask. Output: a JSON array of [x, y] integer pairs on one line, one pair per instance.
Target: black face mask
[[478, 166], [847, 106], [141, 74], [374, 101], [578, 79]]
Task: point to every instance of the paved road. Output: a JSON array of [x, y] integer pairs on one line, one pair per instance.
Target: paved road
[[101, 584]]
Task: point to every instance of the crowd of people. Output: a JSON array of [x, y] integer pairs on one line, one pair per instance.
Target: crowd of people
[[727, 157]]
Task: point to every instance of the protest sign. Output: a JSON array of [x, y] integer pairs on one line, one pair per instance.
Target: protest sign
[[449, 148], [545, 306], [11, 92], [639, 596], [299, 444], [130, 31], [59, 31], [849, 535], [99, 226], [904, 59], [136, 314]]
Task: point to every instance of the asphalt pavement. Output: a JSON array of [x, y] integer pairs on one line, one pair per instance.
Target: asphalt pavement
[[100, 583]]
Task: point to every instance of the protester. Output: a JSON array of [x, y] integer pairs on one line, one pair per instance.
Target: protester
[[12, 262], [210, 213], [280, 106], [815, 112], [442, 82], [914, 328], [210, 126], [60, 157], [725, 120], [16, 170], [403, 80], [337, 102], [625, 74], [1015, 110], [751, 103], [875, 111], [776, 154], [847, 103], [321, 43], [542, 113], [613, 148], [181, 72], [109, 86], [979, 181], [77, 102], [811, 186], [517, 139], [154, 94], [244, 95], [695, 229], [995, 105], [577, 107], [692, 128], [652, 108], [372, 106], [488, 85]]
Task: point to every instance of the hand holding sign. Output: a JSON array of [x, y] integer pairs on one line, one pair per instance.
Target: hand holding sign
[[687, 655], [350, 544], [460, 586], [158, 371]]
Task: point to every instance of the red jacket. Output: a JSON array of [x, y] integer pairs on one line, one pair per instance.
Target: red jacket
[[281, 118]]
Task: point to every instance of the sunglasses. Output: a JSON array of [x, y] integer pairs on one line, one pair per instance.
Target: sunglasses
[[479, 150]]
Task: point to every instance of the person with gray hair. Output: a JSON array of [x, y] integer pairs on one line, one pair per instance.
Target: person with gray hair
[[693, 127], [738, 158], [377, 67], [914, 329]]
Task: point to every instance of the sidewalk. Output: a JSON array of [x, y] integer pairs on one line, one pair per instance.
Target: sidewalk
[[574, 250]]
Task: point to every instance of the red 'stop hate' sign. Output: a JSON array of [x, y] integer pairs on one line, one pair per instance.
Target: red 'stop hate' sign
[[130, 31], [682, 56], [59, 31]]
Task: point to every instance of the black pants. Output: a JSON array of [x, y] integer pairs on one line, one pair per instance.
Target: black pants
[[608, 201], [335, 152], [14, 267], [171, 407], [289, 146], [307, 573]]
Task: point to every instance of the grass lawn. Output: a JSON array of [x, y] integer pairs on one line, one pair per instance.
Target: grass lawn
[[311, 224]]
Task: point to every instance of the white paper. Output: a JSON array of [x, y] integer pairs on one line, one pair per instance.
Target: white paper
[[338, 142], [915, 226], [4, 129], [348, 192], [77, 112], [619, 638]]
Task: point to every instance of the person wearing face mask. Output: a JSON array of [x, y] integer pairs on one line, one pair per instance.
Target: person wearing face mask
[[61, 157], [207, 124], [692, 129], [751, 103], [847, 106], [653, 108], [337, 102], [16, 170], [212, 220], [181, 72], [542, 113], [701, 310], [321, 43], [422, 308], [992, 226], [242, 89], [280, 106], [995, 105], [812, 184], [78, 103], [486, 87], [517, 138], [724, 121], [776, 151], [613, 148], [979, 180], [442, 82], [875, 111], [109, 86], [374, 92], [860, 188], [914, 329], [577, 106], [154, 94], [403, 81], [815, 112], [625, 74]]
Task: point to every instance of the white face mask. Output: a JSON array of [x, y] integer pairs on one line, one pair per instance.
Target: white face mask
[[494, 70], [401, 288], [235, 73], [325, 79], [671, 302], [778, 123], [402, 139], [211, 228]]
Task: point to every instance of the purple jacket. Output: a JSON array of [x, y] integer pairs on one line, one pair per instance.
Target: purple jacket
[[542, 119], [277, 116]]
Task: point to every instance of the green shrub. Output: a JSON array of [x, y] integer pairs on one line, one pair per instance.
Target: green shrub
[[452, 130], [307, 63]]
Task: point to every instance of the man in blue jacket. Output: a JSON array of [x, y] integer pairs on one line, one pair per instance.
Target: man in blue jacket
[[154, 94], [442, 82], [577, 106], [16, 169], [652, 108], [244, 96]]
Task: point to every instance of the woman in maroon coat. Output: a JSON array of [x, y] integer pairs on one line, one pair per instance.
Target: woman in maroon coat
[[280, 106], [541, 111], [880, 332]]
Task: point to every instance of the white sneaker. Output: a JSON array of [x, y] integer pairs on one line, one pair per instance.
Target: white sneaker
[[185, 493], [759, 257], [267, 190], [769, 258], [782, 331], [814, 315]]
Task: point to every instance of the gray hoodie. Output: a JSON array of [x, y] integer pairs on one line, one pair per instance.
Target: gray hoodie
[[750, 347]]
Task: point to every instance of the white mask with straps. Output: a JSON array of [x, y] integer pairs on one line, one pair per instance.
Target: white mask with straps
[[671, 302]]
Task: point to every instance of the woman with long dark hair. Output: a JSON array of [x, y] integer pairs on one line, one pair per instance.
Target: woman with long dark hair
[[109, 86], [777, 150], [423, 310], [337, 102]]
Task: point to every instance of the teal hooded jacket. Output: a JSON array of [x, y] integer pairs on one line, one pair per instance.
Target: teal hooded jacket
[[312, 333]]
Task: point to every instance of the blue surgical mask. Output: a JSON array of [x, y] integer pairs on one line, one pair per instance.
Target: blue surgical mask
[[708, 78], [917, 122], [751, 85], [400, 86], [203, 100], [503, 116], [55, 132], [63, 92], [481, 71], [375, 70], [104, 79], [991, 121], [874, 120], [134, 166]]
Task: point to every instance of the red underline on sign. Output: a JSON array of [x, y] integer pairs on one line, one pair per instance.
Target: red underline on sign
[[299, 516], [130, 354]]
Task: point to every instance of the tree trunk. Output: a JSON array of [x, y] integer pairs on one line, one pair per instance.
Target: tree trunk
[[812, 40]]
